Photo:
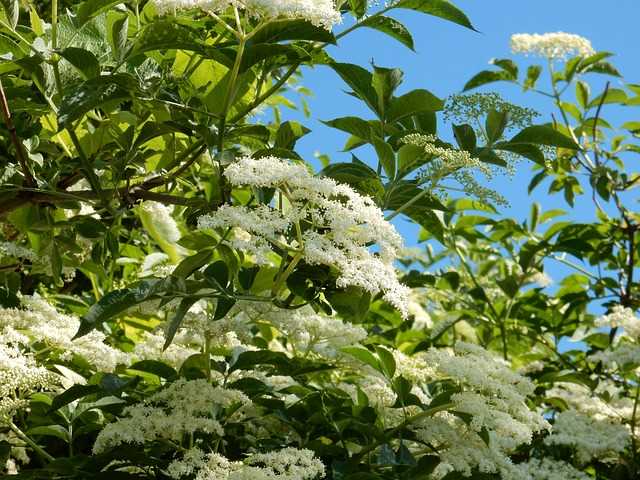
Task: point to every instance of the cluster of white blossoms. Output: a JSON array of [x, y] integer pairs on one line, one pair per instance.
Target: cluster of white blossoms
[[556, 46], [625, 350], [184, 407], [624, 318], [451, 159], [319, 12], [41, 322], [589, 437], [13, 250], [316, 219], [549, 469], [151, 347], [285, 464], [20, 376], [306, 331], [494, 396], [606, 402]]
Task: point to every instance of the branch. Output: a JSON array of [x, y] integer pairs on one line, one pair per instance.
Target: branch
[[20, 153]]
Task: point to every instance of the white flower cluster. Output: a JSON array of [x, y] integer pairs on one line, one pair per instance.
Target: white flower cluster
[[285, 464], [549, 469], [589, 437], [556, 46], [11, 249], [340, 225], [43, 323], [151, 347], [495, 398], [624, 318], [451, 158], [319, 12], [163, 222], [605, 403], [307, 331], [20, 376], [185, 406]]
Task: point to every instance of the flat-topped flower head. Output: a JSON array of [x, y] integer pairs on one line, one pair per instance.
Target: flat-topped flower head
[[319, 12], [556, 46], [341, 226]]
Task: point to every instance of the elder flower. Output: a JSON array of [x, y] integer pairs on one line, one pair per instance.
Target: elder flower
[[340, 226], [319, 12], [555, 46]]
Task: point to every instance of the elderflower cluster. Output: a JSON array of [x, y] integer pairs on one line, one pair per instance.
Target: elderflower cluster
[[159, 216], [606, 402], [11, 249], [549, 469], [307, 331], [590, 438], [43, 323], [20, 376], [471, 108], [621, 317], [286, 464], [493, 396], [151, 347], [184, 407], [556, 46], [319, 12], [340, 226]]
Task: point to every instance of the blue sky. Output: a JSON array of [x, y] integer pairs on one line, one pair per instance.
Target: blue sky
[[447, 55]]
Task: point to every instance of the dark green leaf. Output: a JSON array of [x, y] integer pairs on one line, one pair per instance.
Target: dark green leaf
[[391, 27], [496, 124], [488, 76], [438, 8], [155, 367], [412, 103], [545, 135], [176, 321], [192, 263], [73, 393], [85, 61]]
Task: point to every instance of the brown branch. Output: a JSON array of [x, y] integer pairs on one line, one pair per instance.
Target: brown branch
[[20, 153]]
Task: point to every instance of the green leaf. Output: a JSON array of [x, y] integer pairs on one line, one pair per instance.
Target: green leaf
[[356, 174], [289, 133], [364, 356], [386, 157], [360, 80], [155, 367], [526, 150], [353, 125], [391, 27], [51, 431], [533, 74], [83, 60], [582, 93], [119, 301], [119, 36], [495, 124], [190, 264], [412, 103], [166, 35], [545, 135], [387, 361], [385, 82], [91, 8], [613, 95], [176, 321], [286, 29], [99, 92], [438, 8], [488, 76], [465, 137], [217, 274], [411, 157], [12, 11], [8, 299], [507, 65], [223, 306], [73, 393]]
